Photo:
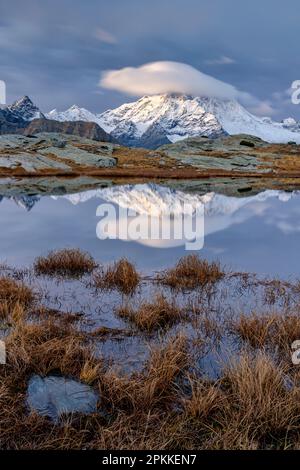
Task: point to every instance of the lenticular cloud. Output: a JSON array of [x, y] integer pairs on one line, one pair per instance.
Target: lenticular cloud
[[169, 77]]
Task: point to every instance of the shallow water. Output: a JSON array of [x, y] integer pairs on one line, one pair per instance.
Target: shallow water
[[258, 234], [53, 396]]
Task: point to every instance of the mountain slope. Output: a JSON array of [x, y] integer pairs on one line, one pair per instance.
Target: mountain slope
[[177, 116], [10, 123], [88, 130], [235, 119], [25, 109], [151, 121], [24, 117], [14, 118], [156, 120]]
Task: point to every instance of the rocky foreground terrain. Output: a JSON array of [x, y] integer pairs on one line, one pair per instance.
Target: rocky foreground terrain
[[57, 153]]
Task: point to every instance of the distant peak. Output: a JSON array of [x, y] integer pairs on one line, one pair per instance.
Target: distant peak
[[25, 109], [24, 100]]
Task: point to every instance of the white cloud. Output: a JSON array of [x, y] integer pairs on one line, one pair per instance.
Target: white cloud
[[283, 97], [263, 108], [174, 77], [170, 77], [104, 36], [223, 60]]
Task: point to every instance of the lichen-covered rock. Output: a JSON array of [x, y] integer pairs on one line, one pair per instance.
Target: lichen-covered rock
[[54, 151]]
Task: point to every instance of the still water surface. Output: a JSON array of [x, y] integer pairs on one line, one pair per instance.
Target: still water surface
[[258, 233]]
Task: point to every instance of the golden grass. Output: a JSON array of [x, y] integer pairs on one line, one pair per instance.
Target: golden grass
[[164, 406], [151, 316], [169, 403], [254, 328], [191, 272], [66, 262], [14, 295], [273, 330], [121, 275], [263, 409], [155, 386]]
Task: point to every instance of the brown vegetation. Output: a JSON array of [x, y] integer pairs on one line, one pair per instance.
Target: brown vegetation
[[66, 262], [269, 330], [191, 272], [121, 275], [154, 315], [14, 295], [168, 403]]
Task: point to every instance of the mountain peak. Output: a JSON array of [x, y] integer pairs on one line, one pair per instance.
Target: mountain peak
[[75, 107], [156, 119], [25, 109], [74, 113], [174, 116]]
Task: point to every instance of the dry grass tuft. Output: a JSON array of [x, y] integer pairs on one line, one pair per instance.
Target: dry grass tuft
[[43, 347], [121, 275], [262, 407], [273, 330], [155, 386], [152, 316], [14, 295], [205, 399], [66, 262], [191, 272], [254, 328]]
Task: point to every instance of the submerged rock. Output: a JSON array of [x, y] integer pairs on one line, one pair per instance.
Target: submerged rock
[[53, 396]]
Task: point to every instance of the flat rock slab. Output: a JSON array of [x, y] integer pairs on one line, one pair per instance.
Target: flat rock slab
[[31, 163], [80, 157], [53, 396], [236, 162]]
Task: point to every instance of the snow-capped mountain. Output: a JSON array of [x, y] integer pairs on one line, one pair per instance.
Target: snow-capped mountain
[[155, 120], [235, 119], [176, 117], [72, 114], [25, 109], [151, 121], [15, 118]]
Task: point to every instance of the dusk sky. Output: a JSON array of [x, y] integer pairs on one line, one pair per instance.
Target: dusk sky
[[56, 51]]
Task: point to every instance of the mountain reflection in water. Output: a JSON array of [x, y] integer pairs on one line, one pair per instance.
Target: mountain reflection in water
[[259, 233]]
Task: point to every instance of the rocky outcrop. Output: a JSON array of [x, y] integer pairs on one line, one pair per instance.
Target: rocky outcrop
[[88, 130], [241, 153], [53, 153]]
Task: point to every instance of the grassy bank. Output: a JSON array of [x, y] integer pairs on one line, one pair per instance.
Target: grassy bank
[[172, 400]]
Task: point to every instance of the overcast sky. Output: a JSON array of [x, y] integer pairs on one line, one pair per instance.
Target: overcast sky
[[56, 51]]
